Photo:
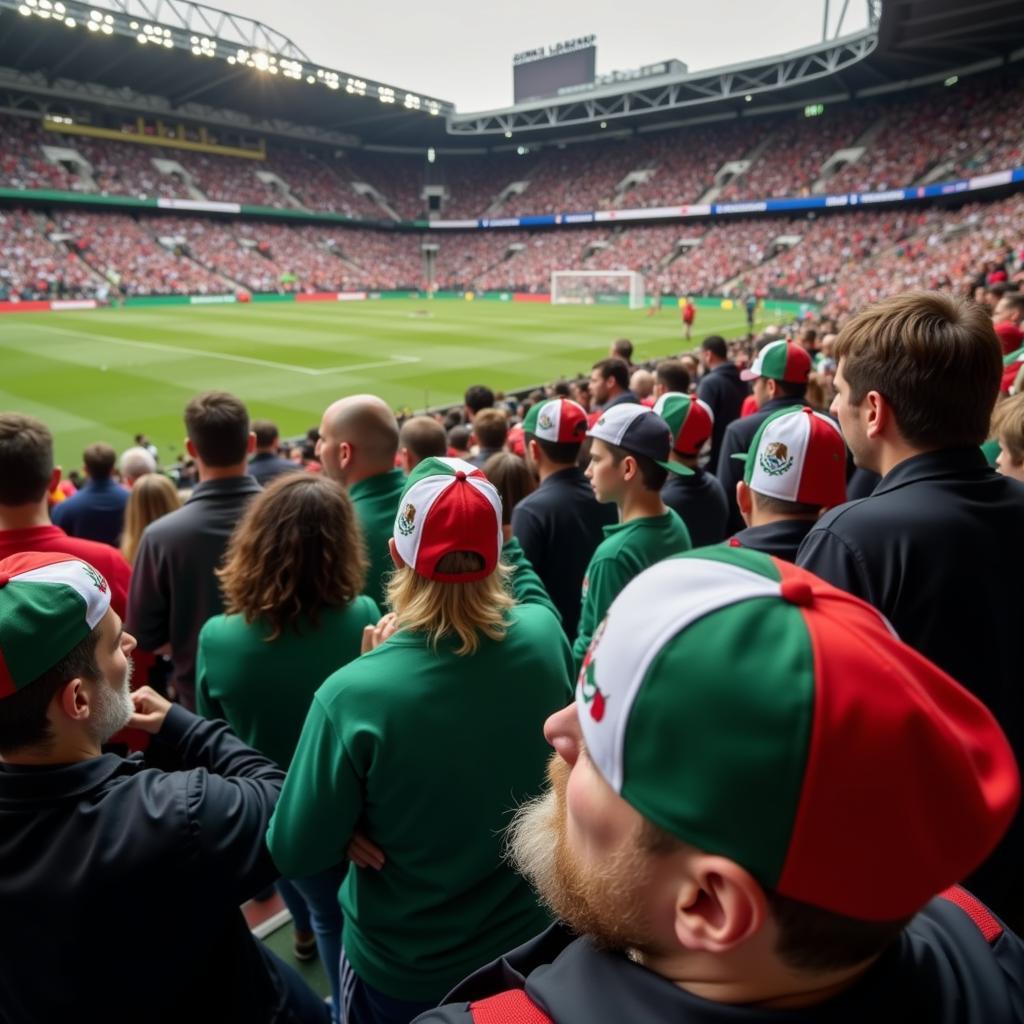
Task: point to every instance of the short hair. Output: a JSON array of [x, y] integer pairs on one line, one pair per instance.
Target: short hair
[[623, 348], [715, 344], [512, 478], [1015, 299], [652, 475], [479, 396], [616, 368], [998, 288], [937, 361], [561, 389], [563, 453], [490, 427], [217, 424], [266, 433], [809, 333], [1008, 426], [26, 459], [99, 460], [458, 437], [781, 507], [23, 721], [673, 375], [137, 462], [790, 388], [297, 550], [424, 437]]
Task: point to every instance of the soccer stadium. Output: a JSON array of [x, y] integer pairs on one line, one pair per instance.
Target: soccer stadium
[[533, 564]]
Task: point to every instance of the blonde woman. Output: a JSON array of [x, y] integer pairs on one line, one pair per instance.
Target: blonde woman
[[426, 744], [151, 497]]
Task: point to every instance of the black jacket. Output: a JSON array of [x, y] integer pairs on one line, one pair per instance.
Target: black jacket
[[266, 466], [929, 549], [723, 390], [942, 970], [121, 883], [738, 438], [700, 502], [781, 539], [559, 525]]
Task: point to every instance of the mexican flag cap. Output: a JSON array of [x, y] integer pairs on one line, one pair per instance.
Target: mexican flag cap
[[690, 420], [758, 713], [781, 360], [640, 431], [561, 420], [448, 505], [49, 603], [797, 455]]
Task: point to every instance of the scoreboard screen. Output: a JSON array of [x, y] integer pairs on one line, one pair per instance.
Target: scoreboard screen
[[538, 79]]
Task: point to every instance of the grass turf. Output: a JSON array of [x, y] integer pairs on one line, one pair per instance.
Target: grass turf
[[107, 375]]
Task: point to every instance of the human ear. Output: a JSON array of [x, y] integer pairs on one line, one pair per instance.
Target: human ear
[[744, 501], [395, 556], [73, 700], [719, 905]]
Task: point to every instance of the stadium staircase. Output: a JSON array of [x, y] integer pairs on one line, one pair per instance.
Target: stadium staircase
[[843, 158], [62, 247], [733, 170]]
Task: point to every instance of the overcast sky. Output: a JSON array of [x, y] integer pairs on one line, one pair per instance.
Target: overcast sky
[[461, 50]]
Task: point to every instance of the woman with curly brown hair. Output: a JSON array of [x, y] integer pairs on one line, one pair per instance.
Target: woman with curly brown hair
[[292, 581]]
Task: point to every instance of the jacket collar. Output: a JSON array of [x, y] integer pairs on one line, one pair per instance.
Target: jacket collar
[[570, 473], [946, 463], [243, 484], [382, 483], [21, 785]]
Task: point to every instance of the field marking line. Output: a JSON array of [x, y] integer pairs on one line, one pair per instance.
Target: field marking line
[[251, 360]]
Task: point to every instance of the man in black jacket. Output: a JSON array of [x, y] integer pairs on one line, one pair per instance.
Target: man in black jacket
[[120, 880], [916, 383], [721, 389], [266, 462]]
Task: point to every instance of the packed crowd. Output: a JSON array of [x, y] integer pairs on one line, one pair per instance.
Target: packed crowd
[[37, 268], [482, 616]]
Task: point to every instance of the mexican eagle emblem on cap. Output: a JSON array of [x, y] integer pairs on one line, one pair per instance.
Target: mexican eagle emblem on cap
[[97, 580], [545, 422], [775, 459], [407, 520]]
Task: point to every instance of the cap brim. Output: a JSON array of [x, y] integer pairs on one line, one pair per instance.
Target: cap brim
[[748, 375], [676, 467]]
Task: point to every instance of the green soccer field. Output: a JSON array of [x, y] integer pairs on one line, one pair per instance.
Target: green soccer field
[[107, 375]]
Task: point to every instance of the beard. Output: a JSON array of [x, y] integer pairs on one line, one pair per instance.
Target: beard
[[112, 707], [605, 906]]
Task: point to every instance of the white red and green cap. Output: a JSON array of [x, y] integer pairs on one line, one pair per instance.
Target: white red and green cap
[[49, 604], [781, 360], [797, 455], [758, 713], [561, 421], [638, 430], [690, 420], [448, 505]]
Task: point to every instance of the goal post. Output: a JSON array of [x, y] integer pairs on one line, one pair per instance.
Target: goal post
[[587, 287]]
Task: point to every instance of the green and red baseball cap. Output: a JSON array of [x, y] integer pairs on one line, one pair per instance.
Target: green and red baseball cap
[[561, 421], [690, 420], [797, 455], [49, 604], [758, 713], [781, 360], [638, 430], [448, 505]]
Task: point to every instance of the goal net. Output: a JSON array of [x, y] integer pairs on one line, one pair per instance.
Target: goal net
[[587, 287]]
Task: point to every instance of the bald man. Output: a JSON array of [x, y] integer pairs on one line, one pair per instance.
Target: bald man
[[357, 448], [420, 438]]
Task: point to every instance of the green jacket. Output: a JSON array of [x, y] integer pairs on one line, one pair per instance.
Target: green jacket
[[526, 584], [263, 689], [376, 504], [428, 753], [627, 549]]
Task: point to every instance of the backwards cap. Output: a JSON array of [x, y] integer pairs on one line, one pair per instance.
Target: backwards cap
[[638, 430], [448, 505], [759, 713], [690, 420], [561, 421], [797, 455], [781, 360], [49, 603]]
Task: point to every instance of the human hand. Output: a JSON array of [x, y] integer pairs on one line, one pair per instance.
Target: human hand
[[363, 853], [374, 636], [150, 710]]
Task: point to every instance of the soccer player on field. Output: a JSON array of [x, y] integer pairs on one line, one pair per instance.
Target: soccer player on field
[[689, 315]]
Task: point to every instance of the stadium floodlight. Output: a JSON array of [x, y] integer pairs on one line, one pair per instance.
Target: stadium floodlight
[[70, 22], [25, 10], [385, 94], [508, 134], [412, 102], [589, 287]]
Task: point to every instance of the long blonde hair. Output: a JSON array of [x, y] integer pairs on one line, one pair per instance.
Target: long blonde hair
[[462, 610], [152, 497]]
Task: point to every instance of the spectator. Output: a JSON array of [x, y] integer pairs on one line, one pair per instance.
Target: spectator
[[27, 475], [490, 432], [152, 497], [609, 385], [174, 590], [939, 520], [622, 348], [458, 442], [559, 525], [779, 376], [357, 448], [420, 437], [135, 463], [420, 911], [266, 463], [668, 845], [1007, 318], [795, 469], [698, 499], [96, 511], [671, 375], [1008, 429], [641, 383], [628, 467], [293, 611], [721, 390], [478, 396]]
